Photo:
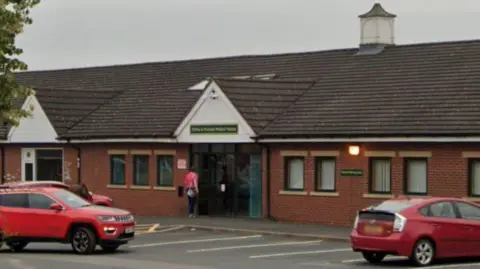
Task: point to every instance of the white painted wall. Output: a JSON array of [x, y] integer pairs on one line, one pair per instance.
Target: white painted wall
[[377, 31], [34, 129], [218, 111]]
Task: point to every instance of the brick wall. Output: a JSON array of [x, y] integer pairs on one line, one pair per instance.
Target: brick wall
[[447, 176], [151, 201]]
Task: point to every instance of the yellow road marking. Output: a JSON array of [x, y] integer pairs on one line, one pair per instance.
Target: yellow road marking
[[153, 228]]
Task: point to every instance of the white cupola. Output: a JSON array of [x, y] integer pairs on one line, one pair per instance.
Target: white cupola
[[377, 27]]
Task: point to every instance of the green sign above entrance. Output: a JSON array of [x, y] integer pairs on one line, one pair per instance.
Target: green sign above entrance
[[214, 129], [352, 172]]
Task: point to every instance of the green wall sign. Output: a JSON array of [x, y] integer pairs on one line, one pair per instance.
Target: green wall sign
[[214, 129], [352, 172]]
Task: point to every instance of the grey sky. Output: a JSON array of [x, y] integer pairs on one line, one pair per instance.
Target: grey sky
[[76, 33]]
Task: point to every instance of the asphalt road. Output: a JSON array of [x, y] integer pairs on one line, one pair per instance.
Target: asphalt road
[[184, 249]]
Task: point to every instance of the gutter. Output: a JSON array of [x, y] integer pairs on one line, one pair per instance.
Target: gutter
[[79, 163]]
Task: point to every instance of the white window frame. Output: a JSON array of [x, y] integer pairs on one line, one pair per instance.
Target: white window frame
[[34, 161], [408, 185]]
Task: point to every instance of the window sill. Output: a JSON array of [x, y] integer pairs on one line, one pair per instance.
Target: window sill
[[472, 199], [324, 193], [160, 188], [377, 196], [110, 186], [134, 187], [294, 193]]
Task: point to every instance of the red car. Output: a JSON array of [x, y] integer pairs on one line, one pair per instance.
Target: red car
[[421, 229], [46, 214], [80, 190]]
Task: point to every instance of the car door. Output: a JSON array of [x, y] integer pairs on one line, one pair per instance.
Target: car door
[[470, 215], [446, 229], [14, 209], [46, 222]]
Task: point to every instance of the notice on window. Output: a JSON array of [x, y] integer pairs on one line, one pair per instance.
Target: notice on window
[[181, 164]]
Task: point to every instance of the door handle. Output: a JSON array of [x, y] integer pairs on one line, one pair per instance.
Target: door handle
[[435, 225], [468, 228]]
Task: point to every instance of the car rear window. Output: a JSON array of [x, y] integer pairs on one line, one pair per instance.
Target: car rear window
[[395, 206]]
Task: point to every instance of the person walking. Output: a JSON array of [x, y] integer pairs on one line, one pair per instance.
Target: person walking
[[191, 188]]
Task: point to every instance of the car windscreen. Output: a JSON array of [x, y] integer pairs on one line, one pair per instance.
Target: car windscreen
[[71, 199], [395, 206]]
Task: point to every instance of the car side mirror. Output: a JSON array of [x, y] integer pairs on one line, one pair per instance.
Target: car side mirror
[[56, 207]]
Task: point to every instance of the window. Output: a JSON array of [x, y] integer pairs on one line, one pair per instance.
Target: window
[[40, 201], [416, 174], [71, 199], [468, 211], [49, 164], [474, 177], [380, 175], [395, 206], [15, 200], [441, 210], [294, 173], [117, 169], [325, 174], [164, 170], [140, 170]]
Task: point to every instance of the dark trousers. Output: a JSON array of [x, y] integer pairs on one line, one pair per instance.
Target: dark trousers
[[191, 204]]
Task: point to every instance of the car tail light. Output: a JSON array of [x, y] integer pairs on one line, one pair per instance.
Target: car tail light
[[399, 223], [355, 223]]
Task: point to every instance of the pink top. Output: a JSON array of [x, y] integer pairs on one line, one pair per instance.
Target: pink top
[[191, 180]]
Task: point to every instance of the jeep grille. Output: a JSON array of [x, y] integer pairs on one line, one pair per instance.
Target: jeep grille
[[127, 218]]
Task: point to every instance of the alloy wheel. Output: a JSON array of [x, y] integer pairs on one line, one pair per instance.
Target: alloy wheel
[[424, 253], [81, 241]]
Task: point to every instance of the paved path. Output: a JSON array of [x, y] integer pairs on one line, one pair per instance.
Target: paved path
[[186, 249], [266, 226]]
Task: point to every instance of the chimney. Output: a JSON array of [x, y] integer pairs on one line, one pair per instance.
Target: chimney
[[377, 28]]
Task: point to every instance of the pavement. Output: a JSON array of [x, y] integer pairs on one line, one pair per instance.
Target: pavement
[[177, 247], [265, 227]]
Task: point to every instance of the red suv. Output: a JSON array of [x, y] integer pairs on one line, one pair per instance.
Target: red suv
[[47, 214], [421, 229], [80, 190]]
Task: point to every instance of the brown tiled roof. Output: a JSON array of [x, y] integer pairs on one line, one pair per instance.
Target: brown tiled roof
[[410, 89], [261, 101], [431, 89]]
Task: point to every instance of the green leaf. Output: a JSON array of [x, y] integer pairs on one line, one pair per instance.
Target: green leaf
[[14, 16]]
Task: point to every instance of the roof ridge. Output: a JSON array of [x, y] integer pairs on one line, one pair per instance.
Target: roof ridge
[[240, 56], [289, 106], [275, 80]]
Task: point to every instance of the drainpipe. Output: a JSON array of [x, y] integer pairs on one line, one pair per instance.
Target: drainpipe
[[3, 164], [79, 155]]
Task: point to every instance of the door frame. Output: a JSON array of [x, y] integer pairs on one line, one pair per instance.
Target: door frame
[[33, 160]]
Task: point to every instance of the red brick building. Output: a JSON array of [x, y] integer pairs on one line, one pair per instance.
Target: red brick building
[[307, 137]]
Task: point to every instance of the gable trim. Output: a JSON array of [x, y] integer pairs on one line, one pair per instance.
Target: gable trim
[[213, 86], [26, 106]]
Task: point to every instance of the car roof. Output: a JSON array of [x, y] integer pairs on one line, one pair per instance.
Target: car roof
[[426, 200], [33, 189]]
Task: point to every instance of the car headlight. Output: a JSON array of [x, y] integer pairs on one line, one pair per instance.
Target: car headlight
[[106, 218]]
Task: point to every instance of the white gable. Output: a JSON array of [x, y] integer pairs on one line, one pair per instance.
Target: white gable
[[214, 119], [34, 129]]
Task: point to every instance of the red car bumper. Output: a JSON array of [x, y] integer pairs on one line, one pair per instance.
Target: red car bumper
[[395, 244]]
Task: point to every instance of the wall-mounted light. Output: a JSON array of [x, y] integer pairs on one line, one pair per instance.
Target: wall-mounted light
[[354, 150]]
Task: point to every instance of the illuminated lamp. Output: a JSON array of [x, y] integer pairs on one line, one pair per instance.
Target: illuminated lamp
[[354, 150]]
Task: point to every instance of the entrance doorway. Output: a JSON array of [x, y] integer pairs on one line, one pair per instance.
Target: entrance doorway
[[235, 166], [42, 164]]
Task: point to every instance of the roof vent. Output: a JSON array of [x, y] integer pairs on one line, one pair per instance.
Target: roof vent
[[377, 29]]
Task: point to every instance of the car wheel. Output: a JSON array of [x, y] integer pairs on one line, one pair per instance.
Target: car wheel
[[373, 257], [17, 246], [84, 241], [1, 239], [423, 253], [110, 249]]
